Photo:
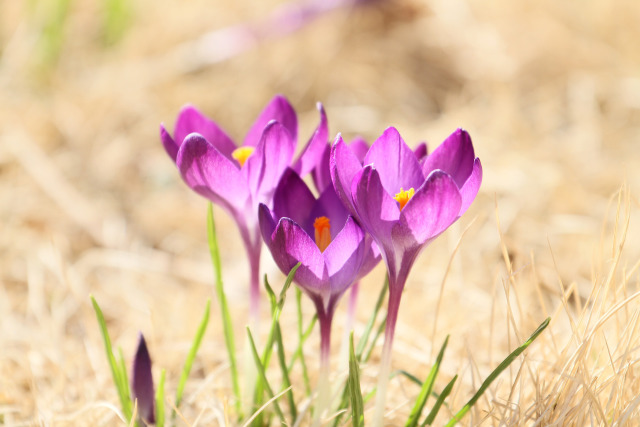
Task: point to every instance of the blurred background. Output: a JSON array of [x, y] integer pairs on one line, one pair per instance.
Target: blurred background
[[91, 204]]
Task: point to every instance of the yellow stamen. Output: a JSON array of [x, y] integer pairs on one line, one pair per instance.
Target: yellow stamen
[[404, 196], [242, 154], [323, 232]]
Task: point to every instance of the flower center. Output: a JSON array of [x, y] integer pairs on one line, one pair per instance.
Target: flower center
[[404, 196], [323, 232], [242, 154]]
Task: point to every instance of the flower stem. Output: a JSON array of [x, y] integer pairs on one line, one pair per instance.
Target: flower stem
[[395, 293], [323, 397]]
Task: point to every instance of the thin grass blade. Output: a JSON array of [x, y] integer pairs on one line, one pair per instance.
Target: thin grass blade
[[501, 367], [286, 381], [355, 394], [434, 411], [263, 377], [427, 386], [188, 363], [121, 386], [160, 400], [224, 308]]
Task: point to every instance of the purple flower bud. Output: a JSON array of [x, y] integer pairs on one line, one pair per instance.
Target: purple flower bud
[[142, 383]]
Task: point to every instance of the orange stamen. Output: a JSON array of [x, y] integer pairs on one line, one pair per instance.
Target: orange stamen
[[404, 196], [242, 154], [323, 232]]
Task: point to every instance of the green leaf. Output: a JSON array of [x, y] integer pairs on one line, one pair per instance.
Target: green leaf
[[434, 411], [355, 394], [224, 308], [427, 386], [501, 367], [188, 363], [268, 349], [367, 330], [263, 377], [160, 400], [121, 386], [286, 381]]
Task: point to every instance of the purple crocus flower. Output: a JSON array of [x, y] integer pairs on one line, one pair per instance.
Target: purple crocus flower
[[404, 199], [333, 251], [142, 383], [240, 178]]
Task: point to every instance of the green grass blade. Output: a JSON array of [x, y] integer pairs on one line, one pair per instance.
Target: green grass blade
[[367, 330], [302, 337], [224, 308], [263, 377], [355, 394], [427, 386], [501, 367], [160, 400], [378, 334], [124, 377], [286, 381], [362, 343], [268, 349], [121, 387], [188, 363], [434, 411]]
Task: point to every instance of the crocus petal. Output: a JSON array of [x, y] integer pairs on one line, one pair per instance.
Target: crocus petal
[[470, 188], [329, 205], [433, 208], [192, 120], [344, 256], [321, 174], [372, 257], [421, 152], [455, 156], [359, 147], [211, 174], [344, 165], [292, 198], [169, 144], [266, 165], [279, 110], [290, 244], [395, 161], [377, 210], [311, 154], [142, 382]]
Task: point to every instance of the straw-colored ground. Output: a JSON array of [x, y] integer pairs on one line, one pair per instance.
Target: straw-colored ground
[[91, 204]]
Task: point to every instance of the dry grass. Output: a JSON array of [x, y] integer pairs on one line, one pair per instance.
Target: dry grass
[[90, 203]]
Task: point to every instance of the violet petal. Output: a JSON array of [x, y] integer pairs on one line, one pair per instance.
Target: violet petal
[[190, 120], [344, 165], [290, 244], [266, 165], [432, 209], [211, 174], [470, 188], [395, 162], [455, 156], [378, 211], [311, 154], [279, 110], [169, 144], [344, 256], [292, 198]]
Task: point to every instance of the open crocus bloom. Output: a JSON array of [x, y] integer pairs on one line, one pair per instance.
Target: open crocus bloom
[[240, 178], [404, 199], [332, 248], [402, 203], [320, 234]]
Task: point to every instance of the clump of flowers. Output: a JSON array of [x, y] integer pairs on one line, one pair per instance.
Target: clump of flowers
[[384, 202]]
